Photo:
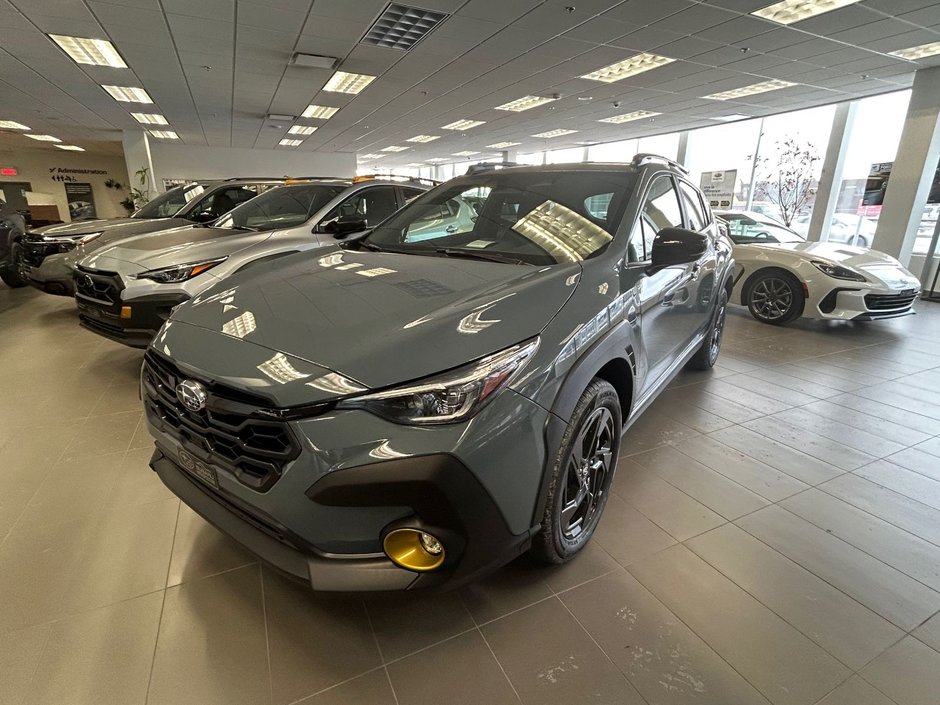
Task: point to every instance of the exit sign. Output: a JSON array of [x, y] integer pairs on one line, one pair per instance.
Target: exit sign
[[8, 171]]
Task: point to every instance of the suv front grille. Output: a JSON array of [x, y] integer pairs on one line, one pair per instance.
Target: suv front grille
[[35, 250], [891, 302], [227, 430], [97, 286]]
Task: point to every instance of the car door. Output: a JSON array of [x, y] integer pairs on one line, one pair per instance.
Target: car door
[[653, 310], [701, 287]]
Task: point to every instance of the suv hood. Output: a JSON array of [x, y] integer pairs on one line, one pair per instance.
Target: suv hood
[[129, 226], [381, 318], [169, 247]]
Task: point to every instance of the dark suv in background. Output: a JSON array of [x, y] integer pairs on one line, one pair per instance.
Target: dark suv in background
[[422, 403], [12, 227], [48, 254]]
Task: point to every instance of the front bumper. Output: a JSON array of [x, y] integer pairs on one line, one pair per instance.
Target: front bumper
[[52, 275], [848, 303], [102, 310]]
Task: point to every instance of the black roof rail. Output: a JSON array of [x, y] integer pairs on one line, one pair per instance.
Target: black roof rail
[[646, 157], [488, 166]]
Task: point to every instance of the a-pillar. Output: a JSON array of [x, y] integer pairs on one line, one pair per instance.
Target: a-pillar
[[137, 156], [913, 170]]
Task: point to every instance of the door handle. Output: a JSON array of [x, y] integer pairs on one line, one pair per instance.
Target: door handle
[[451, 229]]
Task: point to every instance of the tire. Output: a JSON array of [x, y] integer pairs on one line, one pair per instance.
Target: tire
[[862, 241], [12, 276], [579, 485], [775, 297], [707, 354]]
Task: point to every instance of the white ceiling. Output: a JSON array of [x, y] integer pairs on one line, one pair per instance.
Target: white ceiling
[[216, 68]]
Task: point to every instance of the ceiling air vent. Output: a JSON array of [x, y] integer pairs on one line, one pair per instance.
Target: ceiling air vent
[[401, 27]]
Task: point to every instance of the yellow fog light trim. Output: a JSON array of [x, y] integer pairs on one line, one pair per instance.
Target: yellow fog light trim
[[414, 549], [125, 311]]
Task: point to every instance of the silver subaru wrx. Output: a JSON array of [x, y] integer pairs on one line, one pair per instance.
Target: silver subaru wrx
[[427, 401]]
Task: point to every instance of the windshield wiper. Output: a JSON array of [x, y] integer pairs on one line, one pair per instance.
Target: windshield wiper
[[246, 228], [475, 254]]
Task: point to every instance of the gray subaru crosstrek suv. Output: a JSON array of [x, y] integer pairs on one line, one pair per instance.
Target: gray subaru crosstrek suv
[[398, 412]]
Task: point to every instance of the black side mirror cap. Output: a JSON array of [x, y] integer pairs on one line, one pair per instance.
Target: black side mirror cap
[[673, 246]]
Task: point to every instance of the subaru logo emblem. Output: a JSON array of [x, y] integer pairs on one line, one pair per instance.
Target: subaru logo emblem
[[192, 395]]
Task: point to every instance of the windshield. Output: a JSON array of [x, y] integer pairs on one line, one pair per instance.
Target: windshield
[[744, 230], [540, 218], [282, 207], [170, 203]]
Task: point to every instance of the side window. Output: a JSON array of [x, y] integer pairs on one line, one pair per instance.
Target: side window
[[598, 205], [410, 193], [693, 207], [374, 204], [662, 205]]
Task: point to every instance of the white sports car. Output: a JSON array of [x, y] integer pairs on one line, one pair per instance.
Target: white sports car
[[780, 276]]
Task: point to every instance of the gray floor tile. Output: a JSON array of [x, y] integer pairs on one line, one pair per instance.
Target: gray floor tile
[[714, 490], [745, 397], [566, 667], [590, 563], [137, 484], [461, 671], [908, 673], [844, 383], [665, 660], [901, 433], [785, 666], [778, 377], [758, 477], [901, 600], [212, 634], [515, 586], [843, 627], [903, 481], [836, 429], [695, 417], [929, 632], [901, 417], [104, 434], [696, 396], [855, 691], [898, 509], [627, 535], [893, 395], [825, 449], [788, 460], [918, 460], [314, 642], [663, 504], [771, 390], [201, 550], [404, 625], [19, 659], [99, 657], [898, 548], [373, 688], [652, 430]]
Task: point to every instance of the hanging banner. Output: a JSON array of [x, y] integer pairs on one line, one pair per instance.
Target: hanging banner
[[81, 201], [718, 187]]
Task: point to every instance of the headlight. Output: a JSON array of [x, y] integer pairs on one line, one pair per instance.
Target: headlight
[[450, 397], [837, 272], [179, 272]]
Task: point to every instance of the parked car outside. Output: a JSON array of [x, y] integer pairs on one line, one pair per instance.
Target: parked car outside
[[849, 228], [49, 254], [399, 412], [781, 277], [12, 228], [126, 291]]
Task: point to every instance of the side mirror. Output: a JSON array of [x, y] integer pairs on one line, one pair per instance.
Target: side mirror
[[673, 246], [345, 225], [205, 216]]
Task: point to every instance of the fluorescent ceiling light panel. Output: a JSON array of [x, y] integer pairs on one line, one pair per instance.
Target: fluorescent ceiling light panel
[[302, 130], [11, 125], [401, 27], [150, 118], [464, 154], [322, 112], [790, 11], [525, 103], [92, 52], [628, 67], [554, 133], [352, 83], [70, 147], [629, 117], [128, 94], [503, 145], [393, 148], [372, 156], [918, 52], [753, 89], [165, 134], [423, 139], [290, 143], [44, 138], [731, 118], [464, 124]]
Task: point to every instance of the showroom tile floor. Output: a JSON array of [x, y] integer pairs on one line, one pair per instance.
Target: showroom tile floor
[[773, 536]]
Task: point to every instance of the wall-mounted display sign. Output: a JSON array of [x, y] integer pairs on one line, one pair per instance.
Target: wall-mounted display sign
[[81, 200], [718, 187]]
